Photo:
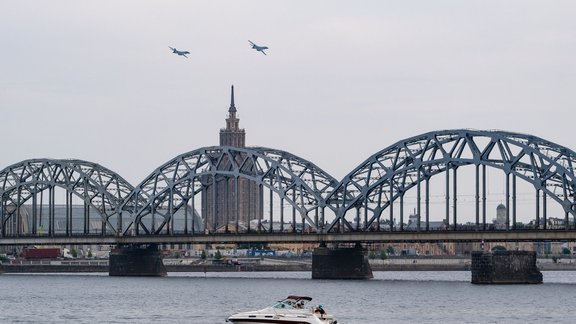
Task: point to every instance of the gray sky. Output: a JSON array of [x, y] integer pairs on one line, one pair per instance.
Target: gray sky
[[95, 80]]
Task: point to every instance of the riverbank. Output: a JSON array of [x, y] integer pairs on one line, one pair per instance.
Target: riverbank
[[459, 264], [267, 264]]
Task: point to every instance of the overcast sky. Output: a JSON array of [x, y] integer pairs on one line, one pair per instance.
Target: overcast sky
[[95, 80]]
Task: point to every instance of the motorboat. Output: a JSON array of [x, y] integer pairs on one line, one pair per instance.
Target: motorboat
[[291, 310]]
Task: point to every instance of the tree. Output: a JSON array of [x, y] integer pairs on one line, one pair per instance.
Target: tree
[[565, 250], [74, 253], [372, 255], [390, 250], [203, 255], [217, 255], [383, 255]]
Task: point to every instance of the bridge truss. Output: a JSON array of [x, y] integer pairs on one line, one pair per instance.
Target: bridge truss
[[220, 190], [37, 198], [211, 185], [386, 177]]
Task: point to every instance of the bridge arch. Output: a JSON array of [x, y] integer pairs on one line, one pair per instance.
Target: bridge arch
[[24, 183], [410, 163], [187, 184]]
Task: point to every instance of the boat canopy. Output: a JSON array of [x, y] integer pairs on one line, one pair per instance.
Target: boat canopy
[[299, 298]]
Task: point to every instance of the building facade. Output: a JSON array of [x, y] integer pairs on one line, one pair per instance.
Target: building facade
[[232, 201]]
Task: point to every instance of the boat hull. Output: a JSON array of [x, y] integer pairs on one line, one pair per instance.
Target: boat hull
[[266, 321], [280, 320]]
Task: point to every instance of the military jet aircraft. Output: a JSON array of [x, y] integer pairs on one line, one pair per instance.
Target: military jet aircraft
[[175, 51], [258, 48]]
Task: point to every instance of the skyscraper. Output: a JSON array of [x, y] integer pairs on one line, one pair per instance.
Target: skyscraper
[[221, 211], [232, 135]]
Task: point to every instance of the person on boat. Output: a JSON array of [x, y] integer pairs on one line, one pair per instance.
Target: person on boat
[[320, 310]]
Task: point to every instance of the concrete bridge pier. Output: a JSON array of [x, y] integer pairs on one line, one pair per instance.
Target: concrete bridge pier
[[340, 263], [505, 267], [136, 260]]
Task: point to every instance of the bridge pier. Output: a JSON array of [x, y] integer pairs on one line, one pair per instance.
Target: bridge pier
[[135, 260], [340, 263], [505, 267]]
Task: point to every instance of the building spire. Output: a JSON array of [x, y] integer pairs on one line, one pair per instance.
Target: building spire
[[232, 135], [232, 107]]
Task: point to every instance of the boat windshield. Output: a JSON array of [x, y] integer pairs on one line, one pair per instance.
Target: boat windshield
[[282, 304], [292, 302]]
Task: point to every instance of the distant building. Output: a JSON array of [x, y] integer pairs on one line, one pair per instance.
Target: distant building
[[432, 225], [232, 135], [220, 210], [83, 219], [500, 221], [555, 223]]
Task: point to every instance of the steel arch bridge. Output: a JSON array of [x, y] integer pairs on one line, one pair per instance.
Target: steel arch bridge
[[100, 190], [179, 198], [173, 186], [410, 164]]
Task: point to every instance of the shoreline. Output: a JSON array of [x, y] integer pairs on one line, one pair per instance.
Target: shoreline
[[268, 265]]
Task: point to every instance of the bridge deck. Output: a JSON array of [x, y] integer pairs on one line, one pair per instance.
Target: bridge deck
[[383, 237]]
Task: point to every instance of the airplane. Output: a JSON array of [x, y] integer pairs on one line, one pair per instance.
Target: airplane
[[258, 48], [175, 51]]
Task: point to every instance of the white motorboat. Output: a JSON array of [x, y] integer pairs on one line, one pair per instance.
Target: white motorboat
[[292, 310]]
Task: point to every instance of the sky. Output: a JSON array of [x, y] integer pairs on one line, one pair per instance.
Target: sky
[[95, 80]]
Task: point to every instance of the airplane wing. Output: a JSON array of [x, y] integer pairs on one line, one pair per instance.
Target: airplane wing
[[249, 41], [185, 55]]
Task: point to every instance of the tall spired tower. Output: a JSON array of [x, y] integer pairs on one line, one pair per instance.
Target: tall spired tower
[[220, 207], [232, 135]]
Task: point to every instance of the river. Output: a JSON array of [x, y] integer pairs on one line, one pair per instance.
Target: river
[[391, 297]]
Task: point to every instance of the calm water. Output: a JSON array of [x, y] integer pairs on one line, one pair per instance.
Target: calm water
[[392, 297]]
